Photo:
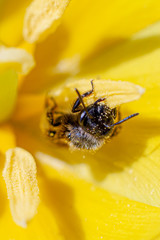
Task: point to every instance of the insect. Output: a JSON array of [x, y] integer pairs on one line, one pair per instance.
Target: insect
[[85, 126]]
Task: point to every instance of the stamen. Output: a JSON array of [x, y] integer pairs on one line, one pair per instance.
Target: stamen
[[22, 187]]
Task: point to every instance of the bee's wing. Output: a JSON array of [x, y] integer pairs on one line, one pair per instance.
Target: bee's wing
[[115, 92]]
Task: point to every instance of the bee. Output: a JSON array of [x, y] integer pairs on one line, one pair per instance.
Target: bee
[[84, 126]]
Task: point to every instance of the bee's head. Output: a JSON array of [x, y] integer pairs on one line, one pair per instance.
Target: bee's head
[[97, 119]]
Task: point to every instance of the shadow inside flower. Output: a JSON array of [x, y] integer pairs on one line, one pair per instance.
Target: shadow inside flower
[[59, 197], [125, 148], [120, 152], [10, 5], [122, 51], [107, 54]]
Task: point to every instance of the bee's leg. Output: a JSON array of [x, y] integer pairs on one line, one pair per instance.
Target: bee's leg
[[49, 115], [57, 122], [54, 122], [117, 129], [77, 102], [115, 112], [50, 105], [99, 100]]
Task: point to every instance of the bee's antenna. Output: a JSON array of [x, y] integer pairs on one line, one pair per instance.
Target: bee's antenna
[[123, 120], [81, 100]]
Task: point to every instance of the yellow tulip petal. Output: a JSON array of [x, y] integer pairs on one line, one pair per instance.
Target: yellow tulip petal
[[11, 21], [29, 47], [136, 60], [87, 28], [28, 105], [92, 25], [120, 166], [8, 89], [102, 215], [72, 209], [7, 138], [140, 181], [42, 17], [22, 187], [15, 58]]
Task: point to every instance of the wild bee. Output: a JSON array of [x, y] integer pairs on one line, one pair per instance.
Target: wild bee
[[85, 126]]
